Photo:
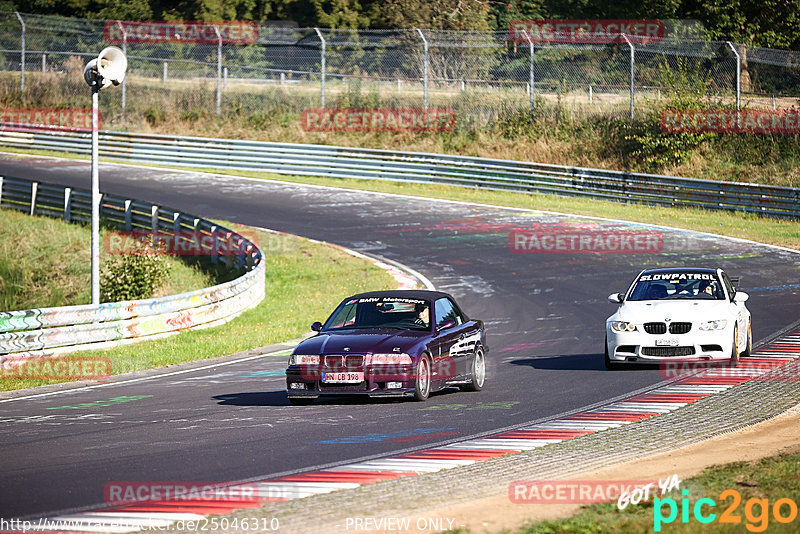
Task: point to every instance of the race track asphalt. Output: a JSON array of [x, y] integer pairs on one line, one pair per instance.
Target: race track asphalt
[[544, 316]]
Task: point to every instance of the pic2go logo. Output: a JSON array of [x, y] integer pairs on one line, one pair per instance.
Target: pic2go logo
[[756, 511]]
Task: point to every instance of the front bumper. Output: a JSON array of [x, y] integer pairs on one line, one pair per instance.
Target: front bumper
[[304, 383], [696, 345]]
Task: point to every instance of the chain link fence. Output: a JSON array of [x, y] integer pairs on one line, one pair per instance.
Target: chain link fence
[[482, 76]]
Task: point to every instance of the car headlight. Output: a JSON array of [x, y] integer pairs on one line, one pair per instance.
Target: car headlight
[[622, 326], [391, 359], [714, 325], [304, 359]]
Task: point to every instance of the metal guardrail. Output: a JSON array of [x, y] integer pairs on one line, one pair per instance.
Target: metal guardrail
[[49, 331], [374, 164]]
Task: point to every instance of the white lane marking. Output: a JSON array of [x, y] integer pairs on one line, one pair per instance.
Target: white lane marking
[[501, 445], [574, 425], [511, 443], [405, 464], [298, 490], [142, 379], [695, 389], [657, 407]]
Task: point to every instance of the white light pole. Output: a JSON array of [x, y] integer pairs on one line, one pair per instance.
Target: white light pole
[[109, 68]]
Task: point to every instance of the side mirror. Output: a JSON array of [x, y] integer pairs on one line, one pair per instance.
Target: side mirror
[[316, 326], [616, 298], [740, 296], [446, 324]]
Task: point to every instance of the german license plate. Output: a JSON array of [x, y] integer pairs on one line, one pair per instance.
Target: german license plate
[[667, 342], [342, 378]]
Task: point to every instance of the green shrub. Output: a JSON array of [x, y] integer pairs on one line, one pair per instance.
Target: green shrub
[[133, 276], [154, 116], [686, 85]]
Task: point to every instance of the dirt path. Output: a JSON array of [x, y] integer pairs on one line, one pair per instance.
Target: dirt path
[[497, 512]]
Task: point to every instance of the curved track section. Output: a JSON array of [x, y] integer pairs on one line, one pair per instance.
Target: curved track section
[[544, 312]]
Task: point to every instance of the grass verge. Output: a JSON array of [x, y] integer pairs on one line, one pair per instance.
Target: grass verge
[[47, 263], [759, 484], [304, 282]]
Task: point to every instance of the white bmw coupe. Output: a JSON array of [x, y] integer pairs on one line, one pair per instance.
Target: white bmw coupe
[[678, 314]]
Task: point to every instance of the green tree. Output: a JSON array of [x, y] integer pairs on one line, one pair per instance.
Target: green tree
[[436, 14]]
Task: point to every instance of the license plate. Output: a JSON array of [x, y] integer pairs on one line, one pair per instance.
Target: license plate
[[342, 378], [668, 342]]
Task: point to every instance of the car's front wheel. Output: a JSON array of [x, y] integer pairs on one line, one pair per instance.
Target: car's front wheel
[[735, 348], [478, 373], [749, 348], [422, 383]]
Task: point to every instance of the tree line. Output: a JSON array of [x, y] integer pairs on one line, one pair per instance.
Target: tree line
[[768, 23]]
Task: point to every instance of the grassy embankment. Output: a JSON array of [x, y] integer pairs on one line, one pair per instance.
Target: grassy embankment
[[565, 130], [305, 281]]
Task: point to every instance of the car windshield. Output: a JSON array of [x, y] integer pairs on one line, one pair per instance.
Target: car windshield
[[677, 285], [381, 312]]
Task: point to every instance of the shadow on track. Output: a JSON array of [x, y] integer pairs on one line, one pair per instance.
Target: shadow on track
[[278, 398], [573, 362]]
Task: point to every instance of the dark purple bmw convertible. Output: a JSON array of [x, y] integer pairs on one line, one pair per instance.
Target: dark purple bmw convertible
[[389, 344]]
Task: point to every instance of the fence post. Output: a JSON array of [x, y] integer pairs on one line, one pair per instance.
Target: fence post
[[219, 68], [532, 73], [225, 77], [67, 204], [44, 63], [321, 68], [1, 191], [633, 62], [22, 52], [738, 75], [128, 215], [590, 94], [154, 218], [34, 192], [214, 254], [176, 230], [164, 75], [425, 69], [124, 51]]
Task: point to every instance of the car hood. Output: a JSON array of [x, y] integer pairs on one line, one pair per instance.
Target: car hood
[[674, 310], [361, 342]]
